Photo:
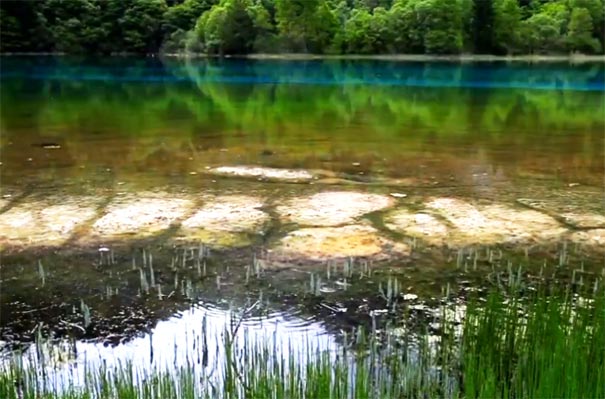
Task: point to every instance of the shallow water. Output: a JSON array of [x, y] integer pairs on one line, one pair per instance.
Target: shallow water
[[85, 141]]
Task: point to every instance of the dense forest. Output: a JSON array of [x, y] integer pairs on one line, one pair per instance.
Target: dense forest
[[303, 26]]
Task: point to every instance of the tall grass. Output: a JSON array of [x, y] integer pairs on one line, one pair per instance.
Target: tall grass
[[507, 345]]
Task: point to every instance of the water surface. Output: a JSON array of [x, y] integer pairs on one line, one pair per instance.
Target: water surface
[[109, 127]]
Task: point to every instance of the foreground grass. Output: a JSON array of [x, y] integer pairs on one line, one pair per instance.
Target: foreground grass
[[541, 344]]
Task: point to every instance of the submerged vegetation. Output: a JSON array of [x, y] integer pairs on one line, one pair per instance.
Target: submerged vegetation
[[307, 26], [508, 342]]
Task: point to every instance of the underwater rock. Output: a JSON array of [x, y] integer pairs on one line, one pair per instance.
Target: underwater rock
[[325, 243], [225, 221], [584, 221], [494, 223], [142, 215], [4, 202], [593, 238], [8, 195], [332, 208], [229, 213], [419, 225], [582, 210], [261, 172], [47, 222], [523, 225]]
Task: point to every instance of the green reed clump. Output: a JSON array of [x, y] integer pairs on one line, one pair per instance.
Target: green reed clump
[[541, 344]]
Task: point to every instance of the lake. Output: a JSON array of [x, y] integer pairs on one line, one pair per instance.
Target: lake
[[143, 200]]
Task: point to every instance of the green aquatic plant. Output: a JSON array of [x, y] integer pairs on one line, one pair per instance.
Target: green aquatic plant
[[511, 342]]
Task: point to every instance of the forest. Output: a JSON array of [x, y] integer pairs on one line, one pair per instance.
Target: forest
[[224, 27]]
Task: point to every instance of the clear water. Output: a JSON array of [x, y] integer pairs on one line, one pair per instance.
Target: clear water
[[494, 131]]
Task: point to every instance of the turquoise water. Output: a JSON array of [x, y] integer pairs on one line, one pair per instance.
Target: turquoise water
[[486, 75]]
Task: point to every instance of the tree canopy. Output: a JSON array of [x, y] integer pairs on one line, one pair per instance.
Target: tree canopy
[[310, 26]]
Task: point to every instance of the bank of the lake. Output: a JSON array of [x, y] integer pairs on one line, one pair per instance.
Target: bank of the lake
[[572, 58]]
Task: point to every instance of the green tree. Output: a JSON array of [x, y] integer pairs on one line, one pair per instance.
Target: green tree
[[266, 38], [141, 25], [357, 32], [23, 27], [507, 23], [483, 26], [558, 11], [324, 28], [75, 25], [441, 24], [227, 28], [540, 34], [295, 22], [579, 36], [597, 13], [183, 16], [407, 32], [467, 10], [318, 26]]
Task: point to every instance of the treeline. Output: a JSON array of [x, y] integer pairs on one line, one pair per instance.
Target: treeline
[[309, 26]]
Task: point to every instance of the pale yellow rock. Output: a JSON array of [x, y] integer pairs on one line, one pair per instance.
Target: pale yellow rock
[[214, 238], [325, 243], [261, 172], [225, 221], [332, 208], [141, 215], [229, 213], [582, 210], [47, 222], [524, 225], [495, 224], [584, 220], [593, 238], [419, 225]]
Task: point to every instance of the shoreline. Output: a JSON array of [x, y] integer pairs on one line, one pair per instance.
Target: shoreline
[[573, 58], [427, 58]]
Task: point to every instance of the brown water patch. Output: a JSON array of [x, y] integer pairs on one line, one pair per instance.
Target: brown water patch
[[332, 208], [325, 243]]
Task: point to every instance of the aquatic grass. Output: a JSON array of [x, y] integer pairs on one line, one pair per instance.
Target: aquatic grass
[[511, 342], [551, 346]]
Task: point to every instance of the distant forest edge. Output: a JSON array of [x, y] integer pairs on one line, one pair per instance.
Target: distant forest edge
[[221, 27]]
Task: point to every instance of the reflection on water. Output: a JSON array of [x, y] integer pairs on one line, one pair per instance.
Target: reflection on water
[[110, 120], [194, 339], [111, 130]]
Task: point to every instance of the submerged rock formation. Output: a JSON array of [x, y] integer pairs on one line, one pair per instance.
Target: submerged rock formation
[[326, 243], [260, 172], [225, 221], [49, 221], [142, 215], [318, 226], [593, 238], [458, 223], [332, 208], [421, 225]]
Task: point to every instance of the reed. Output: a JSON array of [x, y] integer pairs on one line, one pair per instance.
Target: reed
[[504, 344]]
